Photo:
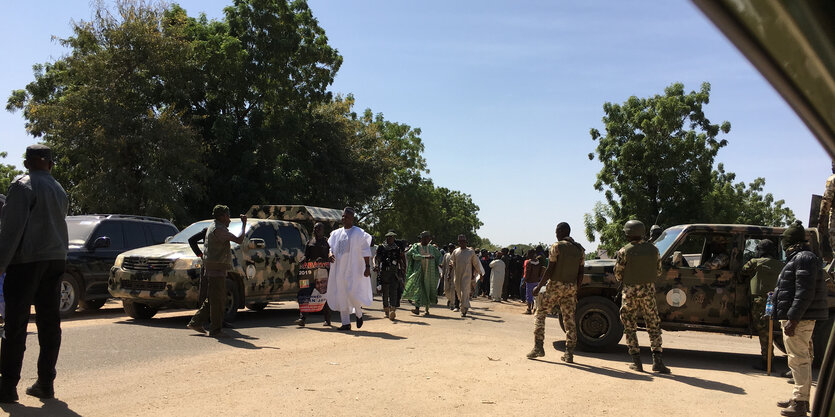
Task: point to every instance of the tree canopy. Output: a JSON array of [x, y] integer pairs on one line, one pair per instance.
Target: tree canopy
[[7, 174], [658, 166], [155, 112]]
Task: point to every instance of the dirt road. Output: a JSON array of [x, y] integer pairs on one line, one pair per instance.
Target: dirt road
[[111, 365]]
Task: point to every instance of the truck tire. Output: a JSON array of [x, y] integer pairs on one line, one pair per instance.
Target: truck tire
[[598, 324], [256, 306], [70, 293], [233, 300], [139, 311], [820, 338]]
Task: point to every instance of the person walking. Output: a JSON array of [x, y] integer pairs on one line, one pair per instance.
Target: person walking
[[422, 273], [637, 266], [217, 261], [389, 263], [799, 300], [565, 270], [465, 265], [497, 273], [448, 276], [531, 277], [33, 254], [349, 286]]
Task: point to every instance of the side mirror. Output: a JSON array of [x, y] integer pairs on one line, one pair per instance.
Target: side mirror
[[101, 242], [168, 239], [256, 243]]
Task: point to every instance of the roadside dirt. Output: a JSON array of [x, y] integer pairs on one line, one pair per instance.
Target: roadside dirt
[[418, 366]]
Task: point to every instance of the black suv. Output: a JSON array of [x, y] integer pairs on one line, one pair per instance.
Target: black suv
[[95, 241]]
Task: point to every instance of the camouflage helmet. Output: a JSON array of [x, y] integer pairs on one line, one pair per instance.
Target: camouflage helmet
[[634, 228], [794, 234]]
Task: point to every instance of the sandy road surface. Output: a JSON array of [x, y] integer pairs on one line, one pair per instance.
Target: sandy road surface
[[111, 365]]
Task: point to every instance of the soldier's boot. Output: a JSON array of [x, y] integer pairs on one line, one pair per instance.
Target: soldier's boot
[[797, 409], [538, 350], [568, 357], [658, 365], [636, 364]]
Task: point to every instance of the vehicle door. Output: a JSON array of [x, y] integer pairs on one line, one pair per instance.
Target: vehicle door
[[100, 256], [694, 287], [259, 272], [287, 260]]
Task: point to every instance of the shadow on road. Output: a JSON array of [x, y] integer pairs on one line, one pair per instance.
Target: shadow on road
[[54, 407], [680, 358], [360, 333]]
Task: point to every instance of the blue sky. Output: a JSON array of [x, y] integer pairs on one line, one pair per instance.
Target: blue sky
[[506, 92]]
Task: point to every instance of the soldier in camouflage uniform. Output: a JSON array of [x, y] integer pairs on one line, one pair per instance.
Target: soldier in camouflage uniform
[[637, 266], [826, 209], [565, 270], [763, 272]]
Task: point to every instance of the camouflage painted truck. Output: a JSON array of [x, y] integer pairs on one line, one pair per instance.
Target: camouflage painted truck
[[265, 265], [688, 297]]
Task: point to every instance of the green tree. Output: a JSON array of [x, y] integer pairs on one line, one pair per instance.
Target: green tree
[[657, 155], [104, 109], [7, 174]]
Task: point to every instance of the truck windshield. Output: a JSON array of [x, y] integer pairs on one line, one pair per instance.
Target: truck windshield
[[666, 239], [182, 237]]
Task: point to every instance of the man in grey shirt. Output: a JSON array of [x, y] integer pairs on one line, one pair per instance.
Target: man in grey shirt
[[33, 253]]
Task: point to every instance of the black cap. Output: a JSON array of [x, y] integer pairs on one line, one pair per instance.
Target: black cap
[[38, 151]]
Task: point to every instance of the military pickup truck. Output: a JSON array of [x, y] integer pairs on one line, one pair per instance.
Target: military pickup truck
[[688, 297], [265, 265]]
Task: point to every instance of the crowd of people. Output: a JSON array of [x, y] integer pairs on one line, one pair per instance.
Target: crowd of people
[[34, 243]]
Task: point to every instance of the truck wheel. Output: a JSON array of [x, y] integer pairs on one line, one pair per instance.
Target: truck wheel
[[233, 300], [90, 305], [598, 324], [820, 337], [256, 306], [139, 311], [69, 295]]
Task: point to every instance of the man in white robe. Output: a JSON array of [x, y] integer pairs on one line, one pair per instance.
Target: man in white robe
[[465, 266], [497, 269], [349, 285]]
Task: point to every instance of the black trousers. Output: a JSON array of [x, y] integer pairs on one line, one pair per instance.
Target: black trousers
[[27, 284], [391, 287]]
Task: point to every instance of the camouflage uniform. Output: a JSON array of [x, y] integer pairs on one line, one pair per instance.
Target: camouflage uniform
[[567, 258], [563, 295], [638, 299]]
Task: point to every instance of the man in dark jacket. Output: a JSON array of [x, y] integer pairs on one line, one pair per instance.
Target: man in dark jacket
[[33, 253], [799, 300]]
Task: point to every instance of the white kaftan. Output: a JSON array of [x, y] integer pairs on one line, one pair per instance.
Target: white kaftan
[[348, 288]]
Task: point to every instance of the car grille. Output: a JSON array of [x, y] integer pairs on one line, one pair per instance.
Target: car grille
[[143, 285], [137, 263]]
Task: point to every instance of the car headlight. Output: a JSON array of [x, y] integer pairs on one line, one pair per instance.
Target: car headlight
[[188, 263], [119, 259]]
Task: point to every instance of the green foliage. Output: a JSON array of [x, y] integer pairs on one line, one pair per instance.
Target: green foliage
[[105, 110], [417, 205], [657, 155], [155, 112], [7, 174]]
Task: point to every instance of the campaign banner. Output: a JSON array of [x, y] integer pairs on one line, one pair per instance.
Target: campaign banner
[[313, 285]]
